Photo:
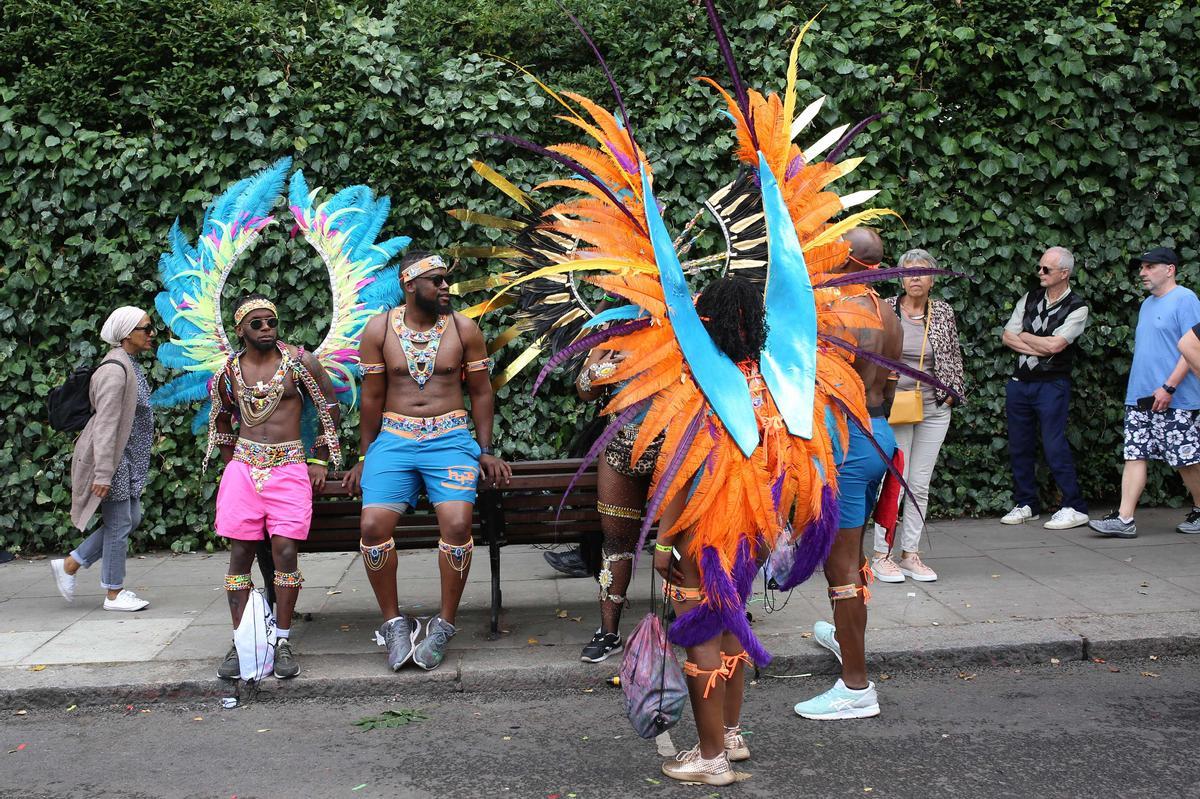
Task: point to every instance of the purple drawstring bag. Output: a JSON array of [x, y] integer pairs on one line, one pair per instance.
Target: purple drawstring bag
[[655, 690]]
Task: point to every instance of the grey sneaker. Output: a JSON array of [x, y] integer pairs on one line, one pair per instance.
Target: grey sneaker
[[285, 661], [430, 652], [1190, 525], [398, 636], [230, 668], [1112, 526]]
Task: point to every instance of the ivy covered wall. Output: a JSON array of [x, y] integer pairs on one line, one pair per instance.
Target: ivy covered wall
[[1006, 128]]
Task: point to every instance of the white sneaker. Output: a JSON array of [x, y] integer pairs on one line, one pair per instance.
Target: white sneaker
[[65, 582], [126, 601], [840, 702], [913, 567], [1065, 519], [1019, 515], [886, 570]]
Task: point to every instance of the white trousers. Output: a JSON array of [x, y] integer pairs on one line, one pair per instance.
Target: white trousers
[[920, 443]]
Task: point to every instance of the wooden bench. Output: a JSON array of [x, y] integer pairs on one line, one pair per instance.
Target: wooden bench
[[522, 512]]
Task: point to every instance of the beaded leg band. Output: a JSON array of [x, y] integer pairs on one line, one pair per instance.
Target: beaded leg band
[[679, 593], [606, 509], [457, 555], [851, 591], [288, 579], [238, 582], [375, 556], [606, 577]]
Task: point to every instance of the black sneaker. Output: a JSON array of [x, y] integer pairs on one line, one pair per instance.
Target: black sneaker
[[285, 661], [230, 668], [601, 646], [1113, 527], [1190, 525], [569, 563]]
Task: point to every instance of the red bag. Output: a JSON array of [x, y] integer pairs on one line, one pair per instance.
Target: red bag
[[887, 509]]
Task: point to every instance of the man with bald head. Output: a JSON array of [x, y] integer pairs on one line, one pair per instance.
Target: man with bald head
[[1042, 331], [860, 472]]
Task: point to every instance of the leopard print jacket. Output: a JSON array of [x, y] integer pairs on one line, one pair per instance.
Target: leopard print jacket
[[943, 336]]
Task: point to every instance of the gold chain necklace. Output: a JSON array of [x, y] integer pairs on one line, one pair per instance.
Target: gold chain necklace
[[259, 401]]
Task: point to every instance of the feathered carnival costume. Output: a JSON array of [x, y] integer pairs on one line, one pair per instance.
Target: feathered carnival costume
[[343, 231], [754, 445]]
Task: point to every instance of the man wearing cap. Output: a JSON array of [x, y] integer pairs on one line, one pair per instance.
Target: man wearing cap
[[1042, 331], [415, 360], [1162, 401]]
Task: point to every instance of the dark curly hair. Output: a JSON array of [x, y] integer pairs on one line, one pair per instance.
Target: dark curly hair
[[733, 313]]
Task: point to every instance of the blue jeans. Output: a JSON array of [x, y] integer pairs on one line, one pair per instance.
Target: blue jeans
[[1035, 405], [110, 541]]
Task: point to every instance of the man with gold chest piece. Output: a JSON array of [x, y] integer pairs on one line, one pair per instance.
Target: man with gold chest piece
[[268, 482], [415, 361]]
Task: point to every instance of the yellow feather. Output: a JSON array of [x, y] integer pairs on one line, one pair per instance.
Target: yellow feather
[[835, 232], [789, 97]]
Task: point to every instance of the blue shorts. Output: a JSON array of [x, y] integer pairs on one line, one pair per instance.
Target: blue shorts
[[861, 473], [441, 457]]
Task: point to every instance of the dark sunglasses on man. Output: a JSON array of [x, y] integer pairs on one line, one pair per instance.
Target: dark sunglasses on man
[[1045, 270], [436, 280], [257, 324]]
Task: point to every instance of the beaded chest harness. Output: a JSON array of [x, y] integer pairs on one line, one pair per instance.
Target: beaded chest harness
[[420, 347], [259, 401]]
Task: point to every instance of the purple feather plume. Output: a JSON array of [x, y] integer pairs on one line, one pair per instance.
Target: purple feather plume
[[724, 609], [887, 459], [739, 88], [813, 547], [574, 166], [876, 275], [611, 82], [844, 142], [610, 432], [584, 344], [668, 476], [895, 366]]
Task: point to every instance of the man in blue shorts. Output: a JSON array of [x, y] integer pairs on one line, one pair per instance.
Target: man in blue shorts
[[860, 474], [415, 360]]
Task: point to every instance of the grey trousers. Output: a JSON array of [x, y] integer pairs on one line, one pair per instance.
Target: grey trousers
[[110, 541]]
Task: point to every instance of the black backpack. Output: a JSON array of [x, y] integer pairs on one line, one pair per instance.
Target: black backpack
[[69, 407]]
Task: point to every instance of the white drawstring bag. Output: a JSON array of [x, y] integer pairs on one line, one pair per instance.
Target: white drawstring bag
[[255, 638]]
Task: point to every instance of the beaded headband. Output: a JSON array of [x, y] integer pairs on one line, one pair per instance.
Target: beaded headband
[[252, 305], [421, 267]]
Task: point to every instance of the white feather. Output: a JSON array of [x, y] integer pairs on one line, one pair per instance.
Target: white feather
[[825, 143], [858, 198], [806, 116]]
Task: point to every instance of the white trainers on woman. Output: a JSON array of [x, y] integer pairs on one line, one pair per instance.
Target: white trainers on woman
[[126, 601]]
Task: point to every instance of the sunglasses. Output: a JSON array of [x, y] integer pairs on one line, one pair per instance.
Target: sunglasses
[[147, 329], [258, 324], [1045, 270], [437, 280]]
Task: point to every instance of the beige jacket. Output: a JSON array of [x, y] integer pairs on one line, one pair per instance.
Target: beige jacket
[[98, 450]]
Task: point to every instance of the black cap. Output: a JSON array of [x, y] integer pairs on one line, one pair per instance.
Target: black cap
[[1159, 255]]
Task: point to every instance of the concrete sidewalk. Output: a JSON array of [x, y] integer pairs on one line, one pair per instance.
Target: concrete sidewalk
[[1005, 595]]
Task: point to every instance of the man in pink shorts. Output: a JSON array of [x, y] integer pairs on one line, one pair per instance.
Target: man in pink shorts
[[268, 484]]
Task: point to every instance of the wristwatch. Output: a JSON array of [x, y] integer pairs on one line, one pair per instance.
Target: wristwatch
[[486, 451], [1169, 389]]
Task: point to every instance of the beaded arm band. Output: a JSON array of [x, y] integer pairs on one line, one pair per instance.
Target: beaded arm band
[[223, 439], [372, 368], [480, 366]]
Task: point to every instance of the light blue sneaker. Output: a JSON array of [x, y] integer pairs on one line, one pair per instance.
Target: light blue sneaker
[[825, 634], [840, 702]]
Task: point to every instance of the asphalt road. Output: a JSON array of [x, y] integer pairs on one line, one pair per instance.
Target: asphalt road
[[1127, 729]]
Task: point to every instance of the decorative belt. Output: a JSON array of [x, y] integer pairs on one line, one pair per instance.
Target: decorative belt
[[261, 458], [421, 427]]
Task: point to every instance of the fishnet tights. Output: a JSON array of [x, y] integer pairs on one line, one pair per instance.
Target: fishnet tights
[[620, 535]]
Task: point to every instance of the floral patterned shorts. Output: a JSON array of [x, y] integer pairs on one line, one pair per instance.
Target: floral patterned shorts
[[1172, 435]]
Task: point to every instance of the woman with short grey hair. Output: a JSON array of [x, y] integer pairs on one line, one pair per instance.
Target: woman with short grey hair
[[930, 345], [111, 461]]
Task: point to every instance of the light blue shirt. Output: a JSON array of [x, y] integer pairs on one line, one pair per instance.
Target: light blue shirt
[[1162, 321]]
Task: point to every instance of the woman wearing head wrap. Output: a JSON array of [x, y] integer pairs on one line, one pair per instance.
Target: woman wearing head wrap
[[111, 460]]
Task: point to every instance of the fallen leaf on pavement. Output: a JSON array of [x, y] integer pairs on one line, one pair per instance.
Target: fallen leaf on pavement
[[331, 593], [589, 690], [885, 676], [198, 718], [963, 675], [1154, 657], [506, 738], [359, 787], [391, 718], [1055, 661], [653, 781], [1149, 674], [806, 635], [72, 707], [38, 667], [22, 712], [562, 614], [532, 641], [1099, 660], [265, 729]]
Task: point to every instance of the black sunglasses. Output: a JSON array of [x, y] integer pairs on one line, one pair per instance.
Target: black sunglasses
[[1045, 270], [437, 280], [258, 324], [147, 329]]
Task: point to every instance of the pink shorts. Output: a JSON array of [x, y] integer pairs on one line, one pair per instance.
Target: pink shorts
[[283, 507]]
